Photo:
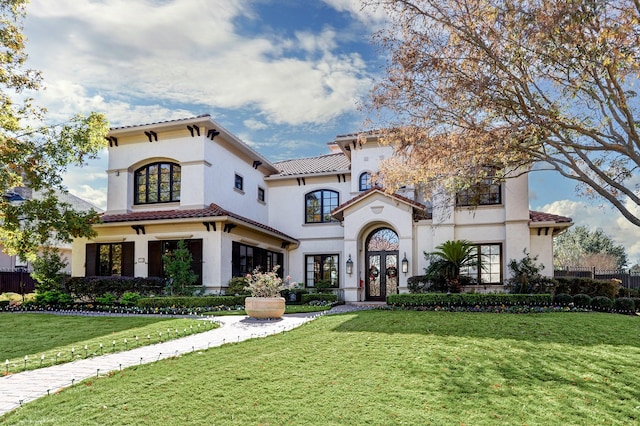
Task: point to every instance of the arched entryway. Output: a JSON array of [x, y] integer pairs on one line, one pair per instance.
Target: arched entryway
[[381, 256]]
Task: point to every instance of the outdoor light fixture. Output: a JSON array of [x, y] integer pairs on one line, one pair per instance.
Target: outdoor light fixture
[[405, 264], [349, 266]]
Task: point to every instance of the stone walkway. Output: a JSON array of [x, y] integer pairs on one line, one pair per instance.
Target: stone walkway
[[20, 388]]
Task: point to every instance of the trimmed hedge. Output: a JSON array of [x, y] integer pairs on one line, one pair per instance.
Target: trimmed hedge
[[468, 299], [601, 303], [323, 297], [189, 302], [583, 300], [90, 288], [563, 298], [593, 288], [624, 304]]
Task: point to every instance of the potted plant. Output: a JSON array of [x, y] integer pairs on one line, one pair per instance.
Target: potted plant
[[265, 300]]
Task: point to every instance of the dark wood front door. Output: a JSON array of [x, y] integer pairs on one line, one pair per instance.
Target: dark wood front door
[[382, 265]]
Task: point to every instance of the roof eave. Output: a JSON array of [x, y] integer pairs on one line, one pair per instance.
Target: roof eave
[[305, 175]]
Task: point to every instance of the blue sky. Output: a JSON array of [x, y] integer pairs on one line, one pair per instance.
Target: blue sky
[[285, 76]]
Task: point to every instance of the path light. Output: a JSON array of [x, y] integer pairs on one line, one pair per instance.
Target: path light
[[86, 351], [100, 348], [26, 358], [136, 341], [125, 344], [349, 266], [73, 351], [41, 359], [114, 346], [6, 365]]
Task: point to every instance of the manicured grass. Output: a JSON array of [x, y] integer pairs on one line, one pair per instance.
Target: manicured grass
[[35, 335], [381, 368]]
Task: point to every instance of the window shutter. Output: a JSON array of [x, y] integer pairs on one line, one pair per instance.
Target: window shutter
[[90, 260], [128, 259], [195, 247], [155, 259]]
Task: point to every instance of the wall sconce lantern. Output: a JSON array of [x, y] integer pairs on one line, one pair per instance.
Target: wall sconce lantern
[[405, 264], [349, 266]]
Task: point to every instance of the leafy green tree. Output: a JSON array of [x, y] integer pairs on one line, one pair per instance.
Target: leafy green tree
[[47, 270], [178, 269], [449, 259], [510, 83], [34, 154], [580, 246]]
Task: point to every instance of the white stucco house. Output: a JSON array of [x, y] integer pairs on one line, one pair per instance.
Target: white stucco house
[[319, 218]]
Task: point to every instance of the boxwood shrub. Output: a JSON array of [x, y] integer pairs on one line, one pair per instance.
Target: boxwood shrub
[[563, 298], [189, 302], [625, 304], [468, 299], [323, 297], [582, 300], [601, 303]]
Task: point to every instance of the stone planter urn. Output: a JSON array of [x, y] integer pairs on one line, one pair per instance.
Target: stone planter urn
[[264, 307]]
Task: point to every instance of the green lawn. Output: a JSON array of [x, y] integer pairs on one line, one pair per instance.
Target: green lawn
[[381, 368], [35, 335]]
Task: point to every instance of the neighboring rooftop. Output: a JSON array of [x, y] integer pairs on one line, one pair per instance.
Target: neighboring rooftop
[[321, 164]]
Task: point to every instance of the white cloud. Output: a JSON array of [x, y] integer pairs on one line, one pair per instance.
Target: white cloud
[[255, 124], [189, 52], [609, 220], [97, 197], [366, 13]]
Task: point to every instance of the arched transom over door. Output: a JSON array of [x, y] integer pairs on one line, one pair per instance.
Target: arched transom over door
[[382, 264]]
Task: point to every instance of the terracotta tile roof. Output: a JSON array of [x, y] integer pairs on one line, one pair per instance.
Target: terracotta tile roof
[[338, 210], [322, 164], [212, 211], [548, 217], [161, 122]]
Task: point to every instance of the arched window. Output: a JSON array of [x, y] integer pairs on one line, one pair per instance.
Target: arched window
[[318, 206], [365, 181], [157, 183]]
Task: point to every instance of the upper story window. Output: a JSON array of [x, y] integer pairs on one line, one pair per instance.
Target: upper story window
[[318, 206], [157, 183], [261, 195], [481, 194], [365, 181], [238, 182]]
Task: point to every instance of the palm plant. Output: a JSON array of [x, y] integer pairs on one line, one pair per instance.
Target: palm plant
[[450, 258]]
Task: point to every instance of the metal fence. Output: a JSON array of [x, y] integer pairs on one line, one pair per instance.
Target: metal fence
[[16, 281], [629, 279]]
